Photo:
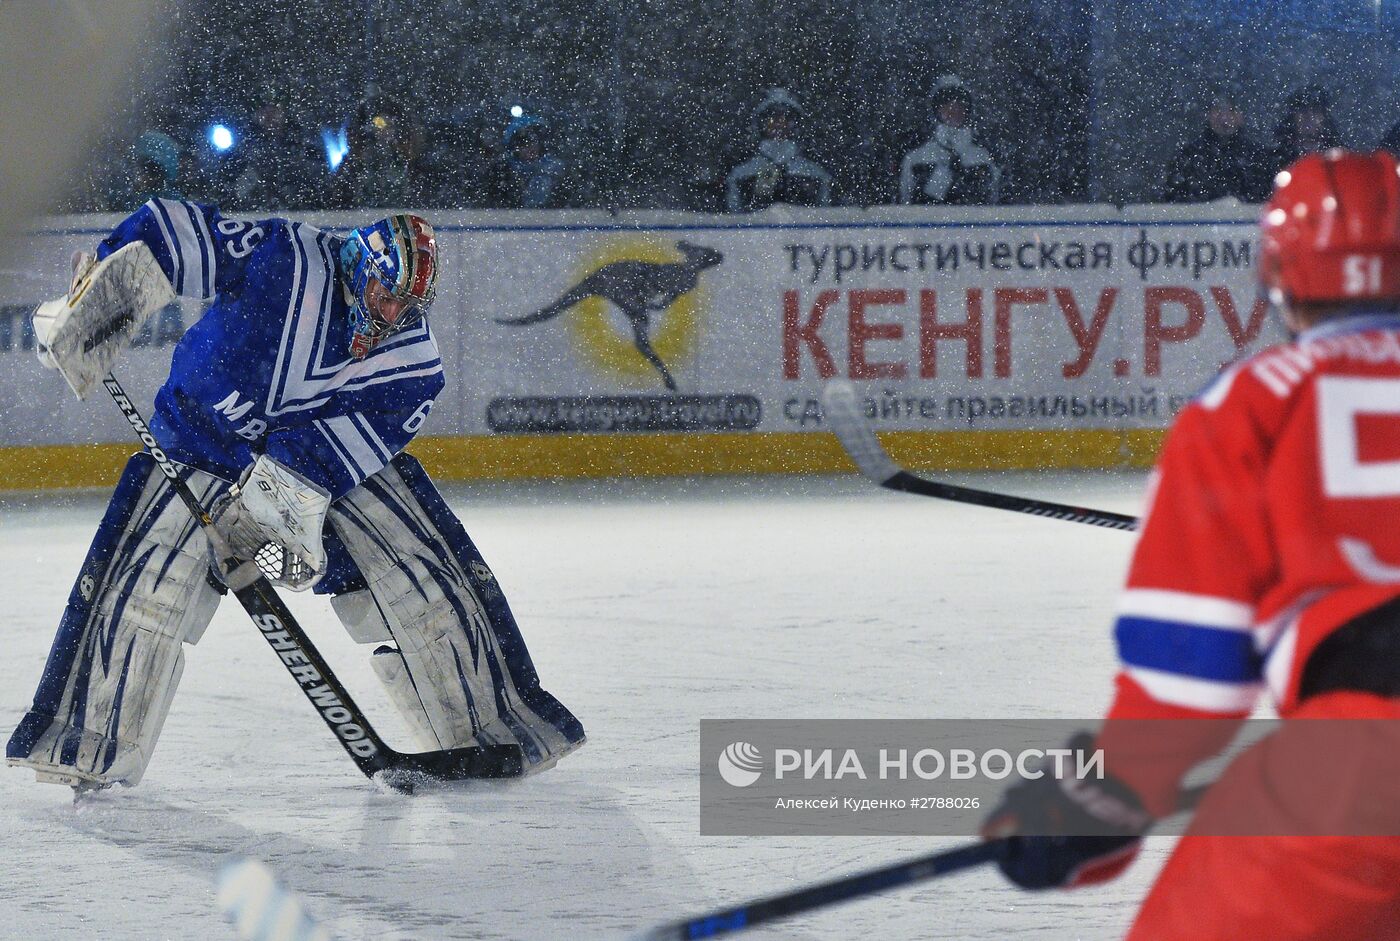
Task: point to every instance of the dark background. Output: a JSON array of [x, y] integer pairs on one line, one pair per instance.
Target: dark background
[[650, 102]]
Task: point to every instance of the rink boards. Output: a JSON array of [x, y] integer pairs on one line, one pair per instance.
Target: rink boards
[[1008, 338]]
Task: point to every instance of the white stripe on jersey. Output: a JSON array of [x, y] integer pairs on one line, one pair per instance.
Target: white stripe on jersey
[[1219, 390], [356, 472], [1180, 607], [1278, 669], [310, 278], [211, 258], [188, 242], [177, 264], [308, 372], [347, 435], [1195, 693], [372, 436], [288, 321], [197, 249]]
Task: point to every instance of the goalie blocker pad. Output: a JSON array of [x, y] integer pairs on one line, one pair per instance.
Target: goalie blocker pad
[[417, 579], [143, 592], [82, 333]]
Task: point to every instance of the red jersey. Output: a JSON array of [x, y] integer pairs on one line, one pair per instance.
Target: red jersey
[[1272, 520]]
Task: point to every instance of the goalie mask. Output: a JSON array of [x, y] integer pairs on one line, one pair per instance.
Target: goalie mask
[[391, 267]]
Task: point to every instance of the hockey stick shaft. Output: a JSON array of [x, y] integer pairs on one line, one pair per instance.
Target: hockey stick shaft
[[835, 891], [912, 483], [857, 437], [299, 655], [761, 911]]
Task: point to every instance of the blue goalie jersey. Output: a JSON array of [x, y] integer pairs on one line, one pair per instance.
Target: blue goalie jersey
[[267, 369]]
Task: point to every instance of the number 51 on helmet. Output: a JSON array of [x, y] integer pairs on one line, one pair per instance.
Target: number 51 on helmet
[[1330, 234]]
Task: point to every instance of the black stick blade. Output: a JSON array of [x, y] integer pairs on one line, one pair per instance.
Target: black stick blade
[[406, 772]]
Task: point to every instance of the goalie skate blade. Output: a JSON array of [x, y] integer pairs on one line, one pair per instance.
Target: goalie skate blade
[[411, 771], [76, 782], [53, 774]]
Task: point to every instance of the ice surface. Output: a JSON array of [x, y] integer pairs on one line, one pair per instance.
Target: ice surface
[[647, 606]]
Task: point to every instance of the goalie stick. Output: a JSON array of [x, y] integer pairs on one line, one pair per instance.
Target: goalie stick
[[835, 891], [399, 770], [851, 428]]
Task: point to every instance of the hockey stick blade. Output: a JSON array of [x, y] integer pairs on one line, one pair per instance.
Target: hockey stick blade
[[842, 410], [845, 888], [408, 771], [857, 437], [332, 701]]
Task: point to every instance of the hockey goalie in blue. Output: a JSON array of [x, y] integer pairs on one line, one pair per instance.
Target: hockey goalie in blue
[[308, 374]]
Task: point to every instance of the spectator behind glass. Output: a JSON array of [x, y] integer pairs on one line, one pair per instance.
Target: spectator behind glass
[[1222, 161], [377, 172], [526, 175], [280, 165], [1307, 126], [777, 173], [151, 172], [951, 168], [648, 173], [457, 163]]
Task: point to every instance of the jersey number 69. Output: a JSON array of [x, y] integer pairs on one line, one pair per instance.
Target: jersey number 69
[[251, 236]]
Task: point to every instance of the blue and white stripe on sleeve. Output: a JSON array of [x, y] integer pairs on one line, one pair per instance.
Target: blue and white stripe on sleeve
[[340, 451], [355, 443], [200, 251], [188, 245], [1190, 650]]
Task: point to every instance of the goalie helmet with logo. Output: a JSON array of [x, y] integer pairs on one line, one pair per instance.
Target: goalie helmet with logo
[[390, 269]]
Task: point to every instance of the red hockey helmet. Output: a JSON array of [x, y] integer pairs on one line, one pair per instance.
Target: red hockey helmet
[[1331, 231]]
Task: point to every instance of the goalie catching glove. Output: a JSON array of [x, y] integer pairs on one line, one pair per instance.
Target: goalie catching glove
[[1067, 832], [273, 517]]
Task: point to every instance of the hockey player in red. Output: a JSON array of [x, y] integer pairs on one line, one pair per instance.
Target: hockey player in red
[[1269, 559]]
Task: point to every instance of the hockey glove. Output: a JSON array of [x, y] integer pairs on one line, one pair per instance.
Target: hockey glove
[[274, 517], [1066, 832], [82, 333], [46, 316]]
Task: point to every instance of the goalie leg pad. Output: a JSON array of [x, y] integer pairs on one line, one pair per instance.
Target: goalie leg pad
[[363, 621], [428, 588], [367, 625], [392, 670], [144, 590]]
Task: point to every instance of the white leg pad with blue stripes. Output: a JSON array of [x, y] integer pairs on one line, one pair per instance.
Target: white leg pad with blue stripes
[[466, 677], [143, 592]]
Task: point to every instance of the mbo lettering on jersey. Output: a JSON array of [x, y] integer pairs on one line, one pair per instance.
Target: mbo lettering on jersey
[[234, 411]]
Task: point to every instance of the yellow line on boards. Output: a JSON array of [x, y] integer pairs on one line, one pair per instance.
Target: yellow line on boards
[[515, 457]]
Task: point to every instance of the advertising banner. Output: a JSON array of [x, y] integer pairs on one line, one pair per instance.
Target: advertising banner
[[563, 332]]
